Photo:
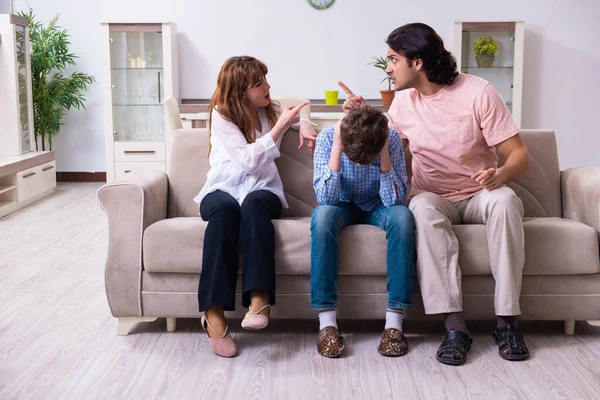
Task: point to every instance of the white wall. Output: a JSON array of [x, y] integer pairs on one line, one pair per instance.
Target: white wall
[[308, 51]]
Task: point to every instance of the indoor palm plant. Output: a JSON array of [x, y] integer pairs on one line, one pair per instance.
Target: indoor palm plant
[[484, 50], [387, 96], [53, 93]]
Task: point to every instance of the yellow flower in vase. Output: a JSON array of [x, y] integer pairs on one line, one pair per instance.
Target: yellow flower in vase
[[484, 50]]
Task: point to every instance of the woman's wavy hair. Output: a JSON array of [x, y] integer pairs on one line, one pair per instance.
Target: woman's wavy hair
[[418, 40], [237, 73]]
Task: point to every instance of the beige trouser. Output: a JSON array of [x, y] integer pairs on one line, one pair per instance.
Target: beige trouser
[[437, 247]]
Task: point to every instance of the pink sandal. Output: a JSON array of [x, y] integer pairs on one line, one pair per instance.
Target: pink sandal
[[254, 320], [222, 345]]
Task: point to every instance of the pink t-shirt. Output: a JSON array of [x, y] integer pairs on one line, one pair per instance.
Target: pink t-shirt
[[451, 134]]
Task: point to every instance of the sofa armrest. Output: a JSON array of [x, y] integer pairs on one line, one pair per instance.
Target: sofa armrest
[[131, 206], [580, 189]]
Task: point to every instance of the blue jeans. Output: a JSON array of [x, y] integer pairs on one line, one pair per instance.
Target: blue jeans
[[399, 227]]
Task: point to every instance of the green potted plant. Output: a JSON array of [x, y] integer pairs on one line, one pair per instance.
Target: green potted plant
[[53, 93], [484, 50], [387, 96]]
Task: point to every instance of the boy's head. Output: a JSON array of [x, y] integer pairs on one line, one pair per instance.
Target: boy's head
[[364, 132]]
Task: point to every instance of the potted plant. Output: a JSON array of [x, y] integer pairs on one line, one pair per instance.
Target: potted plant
[[484, 50], [53, 93], [387, 96]]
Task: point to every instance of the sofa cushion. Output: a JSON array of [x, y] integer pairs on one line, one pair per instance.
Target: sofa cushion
[[554, 246]]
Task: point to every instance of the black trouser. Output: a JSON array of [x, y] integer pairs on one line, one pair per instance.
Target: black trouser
[[251, 225]]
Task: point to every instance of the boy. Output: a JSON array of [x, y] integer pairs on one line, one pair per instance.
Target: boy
[[360, 178]]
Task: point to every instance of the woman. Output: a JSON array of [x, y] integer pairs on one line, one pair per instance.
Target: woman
[[242, 194]]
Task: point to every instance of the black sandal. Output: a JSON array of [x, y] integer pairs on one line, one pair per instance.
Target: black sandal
[[454, 348], [511, 343]]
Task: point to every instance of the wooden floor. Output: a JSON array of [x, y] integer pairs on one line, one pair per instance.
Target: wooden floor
[[58, 339]]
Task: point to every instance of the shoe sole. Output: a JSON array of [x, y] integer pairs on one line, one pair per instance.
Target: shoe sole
[[254, 329], [222, 356], [451, 362], [514, 357]]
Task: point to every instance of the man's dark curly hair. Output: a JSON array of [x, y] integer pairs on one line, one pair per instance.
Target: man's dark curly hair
[[418, 40], [364, 132]]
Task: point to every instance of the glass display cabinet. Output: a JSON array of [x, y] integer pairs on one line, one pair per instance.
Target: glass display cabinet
[[141, 71], [494, 52], [16, 112]]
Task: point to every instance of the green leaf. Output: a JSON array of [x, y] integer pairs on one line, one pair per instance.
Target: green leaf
[[382, 63]]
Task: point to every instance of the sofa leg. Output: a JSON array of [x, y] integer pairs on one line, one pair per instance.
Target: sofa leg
[[126, 323], [171, 324], [569, 327], [594, 323]]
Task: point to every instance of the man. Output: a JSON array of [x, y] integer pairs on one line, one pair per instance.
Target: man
[[360, 178], [454, 124]]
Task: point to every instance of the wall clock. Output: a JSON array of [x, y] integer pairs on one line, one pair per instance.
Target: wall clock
[[320, 4]]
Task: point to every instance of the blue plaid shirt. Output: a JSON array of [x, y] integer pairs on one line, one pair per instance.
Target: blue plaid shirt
[[364, 185]]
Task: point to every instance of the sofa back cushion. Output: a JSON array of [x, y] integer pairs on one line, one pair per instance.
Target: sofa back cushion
[[187, 171], [189, 165], [539, 187]]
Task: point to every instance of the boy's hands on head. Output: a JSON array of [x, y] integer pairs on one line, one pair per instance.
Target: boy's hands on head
[[337, 135], [353, 101], [335, 157], [384, 157]]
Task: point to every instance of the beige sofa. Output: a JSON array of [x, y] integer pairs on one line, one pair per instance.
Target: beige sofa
[[156, 237]]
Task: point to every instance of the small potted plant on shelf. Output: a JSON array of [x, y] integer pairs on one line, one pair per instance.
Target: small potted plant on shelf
[[484, 50], [387, 96]]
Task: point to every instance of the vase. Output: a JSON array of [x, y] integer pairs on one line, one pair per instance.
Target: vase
[[387, 96], [485, 60]]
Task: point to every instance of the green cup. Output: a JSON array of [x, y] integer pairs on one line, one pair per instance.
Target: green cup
[[331, 97]]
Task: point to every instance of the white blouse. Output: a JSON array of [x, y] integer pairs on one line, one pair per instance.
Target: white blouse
[[238, 167]]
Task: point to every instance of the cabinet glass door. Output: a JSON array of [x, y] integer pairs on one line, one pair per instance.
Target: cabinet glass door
[[24, 90], [137, 83], [498, 68]]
